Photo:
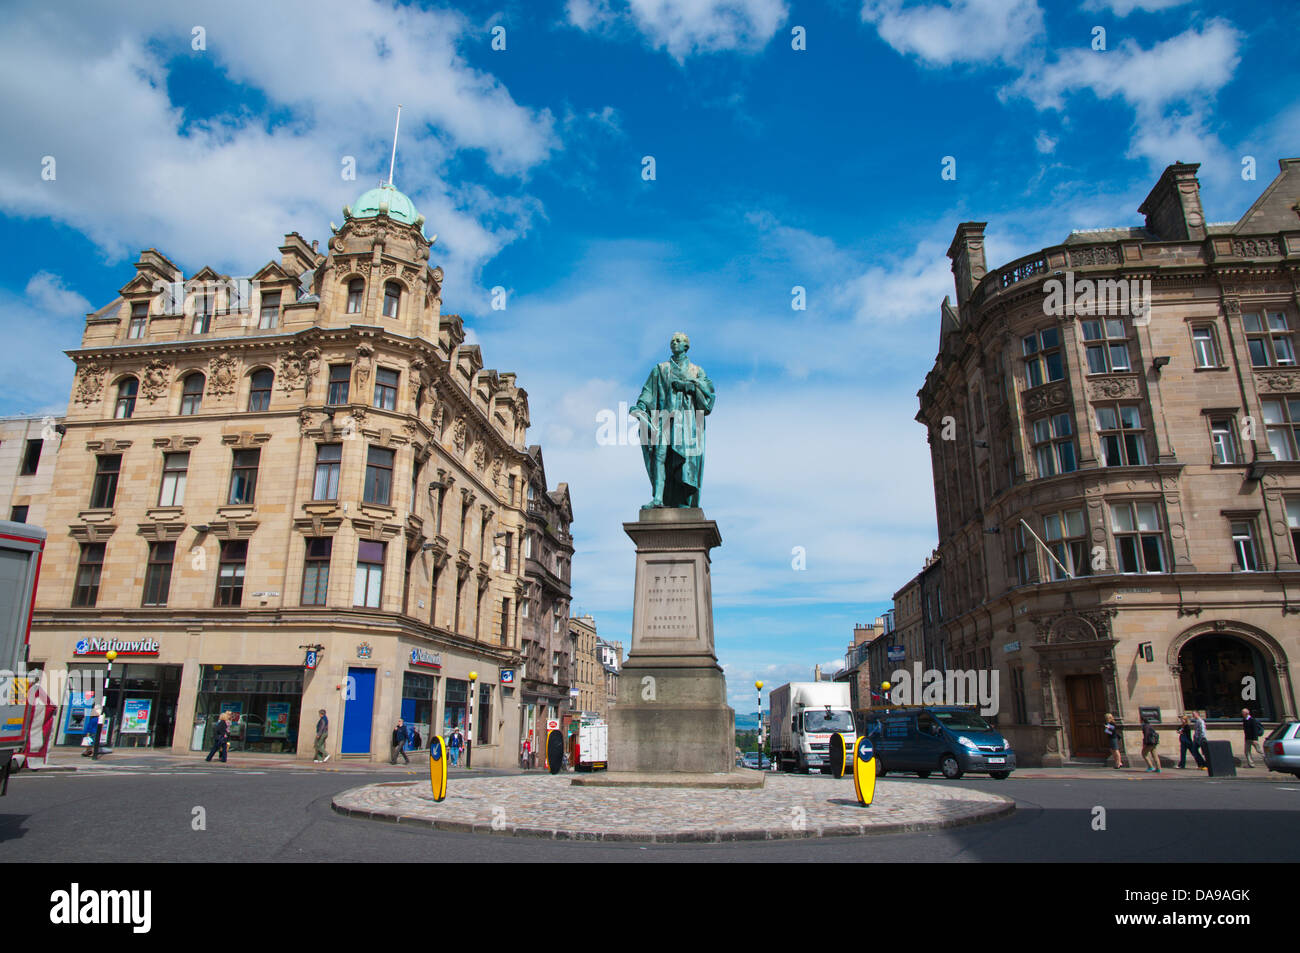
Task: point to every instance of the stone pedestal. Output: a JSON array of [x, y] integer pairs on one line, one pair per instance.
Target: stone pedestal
[[672, 713]]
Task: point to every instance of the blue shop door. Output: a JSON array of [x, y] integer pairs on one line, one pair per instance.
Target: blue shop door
[[359, 712], [408, 716]]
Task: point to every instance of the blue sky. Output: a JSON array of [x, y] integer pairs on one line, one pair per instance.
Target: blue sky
[[775, 167]]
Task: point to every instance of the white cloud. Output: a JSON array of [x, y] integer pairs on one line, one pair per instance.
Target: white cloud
[[40, 324], [48, 292], [1044, 143], [134, 171], [958, 31], [1122, 8], [686, 27]]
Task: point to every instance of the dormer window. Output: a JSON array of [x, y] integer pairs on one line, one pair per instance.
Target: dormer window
[[270, 316], [356, 289], [203, 307], [139, 319], [392, 299]]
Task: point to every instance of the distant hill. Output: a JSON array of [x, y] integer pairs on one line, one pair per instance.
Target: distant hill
[[747, 721]]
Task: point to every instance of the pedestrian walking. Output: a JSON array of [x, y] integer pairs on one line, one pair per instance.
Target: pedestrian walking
[[454, 744], [1201, 739], [1150, 738], [399, 744], [91, 742], [416, 740], [526, 754], [221, 738], [322, 735], [1253, 731], [1112, 735], [1185, 743]]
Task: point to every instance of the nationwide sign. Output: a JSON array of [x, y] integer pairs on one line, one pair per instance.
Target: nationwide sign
[[425, 658], [121, 647]]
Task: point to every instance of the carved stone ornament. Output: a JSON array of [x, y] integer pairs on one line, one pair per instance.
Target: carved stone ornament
[[459, 432], [1112, 387], [311, 366], [1094, 255], [364, 353], [292, 372], [416, 378], [496, 472], [1255, 247], [155, 379], [1278, 381], [480, 455], [304, 421], [223, 375], [90, 383], [1045, 398]]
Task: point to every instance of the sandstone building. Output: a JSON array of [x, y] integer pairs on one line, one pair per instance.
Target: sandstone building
[[29, 449], [1118, 491], [296, 491]]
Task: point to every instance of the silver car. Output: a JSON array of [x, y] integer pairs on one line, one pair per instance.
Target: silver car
[[1282, 748]]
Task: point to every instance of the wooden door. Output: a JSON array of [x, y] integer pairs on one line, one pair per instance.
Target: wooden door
[[1087, 716]]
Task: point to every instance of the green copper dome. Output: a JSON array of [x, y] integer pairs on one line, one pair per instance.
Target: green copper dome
[[388, 200]]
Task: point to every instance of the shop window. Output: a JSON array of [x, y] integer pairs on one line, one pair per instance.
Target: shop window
[[192, 394], [369, 582], [1214, 667], [483, 735], [270, 316], [316, 571], [329, 459], [243, 477], [175, 469], [230, 572], [104, 490], [127, 389], [379, 476], [455, 709], [356, 291], [386, 389], [340, 378], [89, 566], [158, 574], [266, 704], [259, 390]]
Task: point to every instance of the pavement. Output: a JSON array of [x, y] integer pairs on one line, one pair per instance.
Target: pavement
[[788, 806]]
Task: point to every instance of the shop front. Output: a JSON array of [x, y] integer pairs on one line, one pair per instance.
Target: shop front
[[139, 700], [420, 695], [265, 703]]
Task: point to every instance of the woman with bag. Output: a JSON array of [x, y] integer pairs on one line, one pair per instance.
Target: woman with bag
[[1112, 735]]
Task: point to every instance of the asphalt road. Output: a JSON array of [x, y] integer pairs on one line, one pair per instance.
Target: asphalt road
[[284, 815]]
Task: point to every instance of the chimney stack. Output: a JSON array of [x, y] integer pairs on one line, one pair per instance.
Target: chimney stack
[[1173, 209], [967, 254]]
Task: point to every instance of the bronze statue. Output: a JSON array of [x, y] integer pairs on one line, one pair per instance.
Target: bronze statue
[[676, 398]]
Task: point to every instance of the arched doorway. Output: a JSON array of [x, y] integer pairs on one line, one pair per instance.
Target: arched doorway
[[1220, 672]]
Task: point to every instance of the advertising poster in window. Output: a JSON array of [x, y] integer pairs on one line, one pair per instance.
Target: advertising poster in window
[[277, 719], [135, 716]]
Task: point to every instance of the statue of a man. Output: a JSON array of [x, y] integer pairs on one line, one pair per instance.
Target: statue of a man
[[673, 404]]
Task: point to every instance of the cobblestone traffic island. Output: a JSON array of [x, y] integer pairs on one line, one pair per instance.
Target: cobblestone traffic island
[[788, 806]]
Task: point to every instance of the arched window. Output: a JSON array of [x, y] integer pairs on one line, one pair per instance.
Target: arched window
[[392, 299], [1215, 670], [126, 391], [259, 393], [356, 289], [192, 394]]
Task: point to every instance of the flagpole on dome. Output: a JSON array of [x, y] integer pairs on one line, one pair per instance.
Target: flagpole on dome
[[393, 161]]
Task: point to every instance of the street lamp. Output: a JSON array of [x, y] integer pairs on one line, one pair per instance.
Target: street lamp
[[759, 687], [469, 728]]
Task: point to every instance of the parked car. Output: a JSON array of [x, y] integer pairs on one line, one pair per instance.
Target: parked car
[[950, 739], [1282, 748], [753, 759]]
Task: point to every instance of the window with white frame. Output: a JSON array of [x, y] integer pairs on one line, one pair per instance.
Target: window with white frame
[[1123, 442], [1293, 523], [369, 580], [1223, 440], [1043, 360], [1268, 335], [1054, 445], [1244, 546], [1282, 421], [1139, 540], [1106, 342], [139, 319], [1205, 346], [1066, 535]]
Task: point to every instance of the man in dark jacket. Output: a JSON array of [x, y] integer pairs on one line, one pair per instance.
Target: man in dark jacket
[[399, 743], [221, 738], [322, 736], [1253, 731]]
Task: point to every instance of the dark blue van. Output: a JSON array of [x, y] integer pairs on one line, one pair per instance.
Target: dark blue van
[[950, 739]]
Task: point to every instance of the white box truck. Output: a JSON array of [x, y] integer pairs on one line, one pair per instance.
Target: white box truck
[[593, 746], [804, 716], [21, 546]]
